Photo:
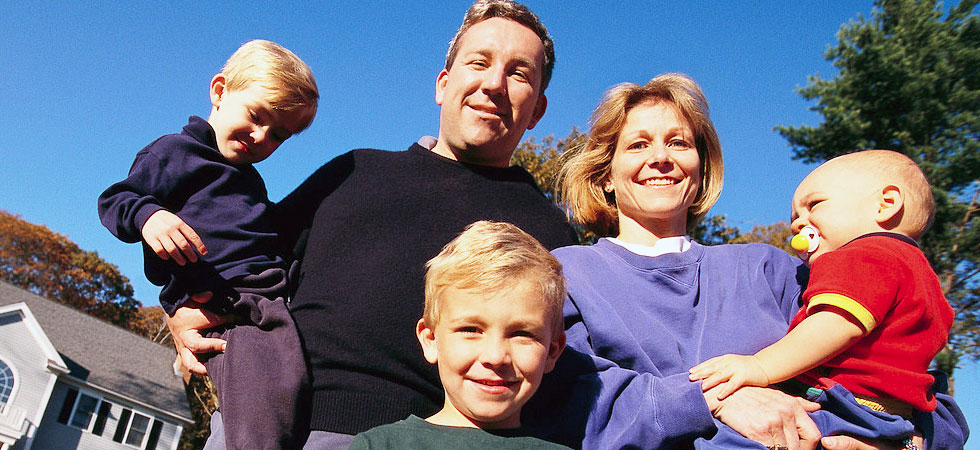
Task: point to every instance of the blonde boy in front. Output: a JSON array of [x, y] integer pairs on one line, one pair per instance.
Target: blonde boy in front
[[207, 225], [493, 323], [873, 314]]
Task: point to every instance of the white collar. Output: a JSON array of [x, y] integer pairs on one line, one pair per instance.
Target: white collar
[[676, 244]]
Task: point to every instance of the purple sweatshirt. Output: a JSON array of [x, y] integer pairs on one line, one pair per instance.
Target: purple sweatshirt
[[638, 323]]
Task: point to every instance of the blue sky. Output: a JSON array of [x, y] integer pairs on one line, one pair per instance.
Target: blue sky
[[85, 85]]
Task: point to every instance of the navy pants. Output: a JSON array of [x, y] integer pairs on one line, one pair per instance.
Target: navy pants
[[261, 377], [839, 414]]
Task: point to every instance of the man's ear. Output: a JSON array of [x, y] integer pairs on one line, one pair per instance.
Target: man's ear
[[891, 205], [554, 351], [441, 81], [427, 337], [217, 89], [539, 107]]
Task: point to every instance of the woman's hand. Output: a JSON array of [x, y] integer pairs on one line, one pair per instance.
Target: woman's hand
[[185, 328], [767, 416]]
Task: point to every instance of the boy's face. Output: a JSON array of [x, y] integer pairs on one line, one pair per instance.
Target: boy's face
[[839, 202], [248, 129], [492, 350]]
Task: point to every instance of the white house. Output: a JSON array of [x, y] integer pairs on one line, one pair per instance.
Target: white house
[[71, 381]]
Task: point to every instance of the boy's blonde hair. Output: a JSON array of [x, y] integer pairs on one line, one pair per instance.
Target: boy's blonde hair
[[586, 170], [891, 167], [487, 9], [494, 257], [275, 68]]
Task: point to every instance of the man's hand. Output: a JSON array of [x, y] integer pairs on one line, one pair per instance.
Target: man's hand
[[731, 372], [185, 328], [170, 237], [768, 416]]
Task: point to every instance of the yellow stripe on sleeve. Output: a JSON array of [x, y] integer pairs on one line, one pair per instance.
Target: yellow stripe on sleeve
[[847, 304]]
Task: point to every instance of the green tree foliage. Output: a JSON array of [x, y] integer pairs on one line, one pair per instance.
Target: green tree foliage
[[714, 230], [909, 80], [49, 264]]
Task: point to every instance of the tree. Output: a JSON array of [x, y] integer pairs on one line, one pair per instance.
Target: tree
[[49, 264], [908, 81], [778, 234]]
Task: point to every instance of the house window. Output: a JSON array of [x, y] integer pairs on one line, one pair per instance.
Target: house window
[[85, 408], [139, 426], [6, 384]]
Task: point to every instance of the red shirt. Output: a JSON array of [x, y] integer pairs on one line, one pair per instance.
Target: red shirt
[[891, 279]]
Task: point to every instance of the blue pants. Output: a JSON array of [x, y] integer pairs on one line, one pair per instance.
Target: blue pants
[[839, 414], [261, 377]]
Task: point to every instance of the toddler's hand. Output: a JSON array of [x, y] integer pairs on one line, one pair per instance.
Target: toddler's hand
[[733, 371], [170, 237]]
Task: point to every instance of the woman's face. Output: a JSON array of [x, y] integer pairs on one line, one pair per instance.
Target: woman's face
[[655, 171]]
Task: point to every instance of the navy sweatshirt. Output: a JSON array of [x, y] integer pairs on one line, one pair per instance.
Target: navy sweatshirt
[[227, 205]]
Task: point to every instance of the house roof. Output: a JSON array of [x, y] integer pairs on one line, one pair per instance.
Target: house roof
[[106, 356]]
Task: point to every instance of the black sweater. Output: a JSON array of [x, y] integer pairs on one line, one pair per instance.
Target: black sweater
[[373, 219]]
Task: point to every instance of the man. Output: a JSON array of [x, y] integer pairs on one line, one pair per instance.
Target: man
[[369, 220]]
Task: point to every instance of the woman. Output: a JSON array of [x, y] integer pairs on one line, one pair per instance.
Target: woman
[[646, 303]]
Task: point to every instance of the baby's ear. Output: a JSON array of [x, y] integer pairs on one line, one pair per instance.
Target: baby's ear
[[891, 205], [427, 337]]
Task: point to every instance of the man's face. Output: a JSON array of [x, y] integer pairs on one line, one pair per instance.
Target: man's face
[[491, 94]]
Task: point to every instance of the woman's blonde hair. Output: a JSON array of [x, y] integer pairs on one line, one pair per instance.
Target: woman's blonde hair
[[586, 168]]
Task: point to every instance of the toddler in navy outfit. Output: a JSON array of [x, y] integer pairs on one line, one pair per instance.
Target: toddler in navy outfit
[[206, 223]]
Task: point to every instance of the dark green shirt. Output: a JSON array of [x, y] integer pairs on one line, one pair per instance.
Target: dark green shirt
[[415, 433]]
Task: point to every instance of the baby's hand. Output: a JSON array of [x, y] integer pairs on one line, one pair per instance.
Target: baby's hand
[[170, 237], [734, 371]]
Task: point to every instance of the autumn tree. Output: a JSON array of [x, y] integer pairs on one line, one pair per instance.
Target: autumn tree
[[49, 264], [778, 234], [908, 80]]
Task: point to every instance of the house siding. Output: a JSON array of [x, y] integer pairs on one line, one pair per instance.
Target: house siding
[[53, 435]]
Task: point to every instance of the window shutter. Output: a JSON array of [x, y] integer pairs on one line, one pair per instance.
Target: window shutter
[[151, 443], [99, 426], [122, 426], [67, 406]]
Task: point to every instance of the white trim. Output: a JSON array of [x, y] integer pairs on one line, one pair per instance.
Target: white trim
[[55, 363]]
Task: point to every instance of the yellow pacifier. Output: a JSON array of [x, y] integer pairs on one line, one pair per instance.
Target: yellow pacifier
[[806, 242]]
